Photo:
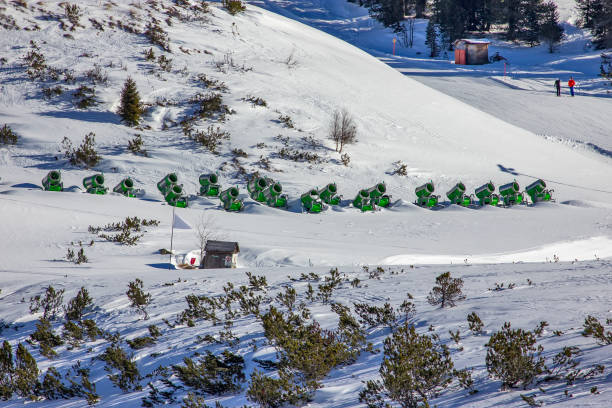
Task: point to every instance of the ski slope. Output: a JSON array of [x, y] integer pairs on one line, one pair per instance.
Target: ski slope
[[564, 247]]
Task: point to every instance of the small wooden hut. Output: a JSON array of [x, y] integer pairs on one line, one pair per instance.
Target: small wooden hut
[[471, 52], [221, 254]]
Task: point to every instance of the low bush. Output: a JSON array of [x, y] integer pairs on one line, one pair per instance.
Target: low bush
[[45, 338], [211, 138], [593, 328], [212, 374], [138, 298], [85, 155], [513, 357], [123, 371], [50, 303], [8, 136], [475, 323], [85, 97], [234, 6]]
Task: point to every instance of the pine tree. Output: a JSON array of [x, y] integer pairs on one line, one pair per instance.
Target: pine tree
[[596, 15], [130, 109], [447, 292], [431, 39], [7, 370], [530, 21], [550, 29], [26, 373]]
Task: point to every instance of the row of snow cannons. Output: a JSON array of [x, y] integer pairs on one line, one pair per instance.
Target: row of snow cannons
[[93, 184], [509, 194]]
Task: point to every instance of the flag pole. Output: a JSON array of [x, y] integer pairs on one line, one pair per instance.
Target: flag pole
[[171, 239]]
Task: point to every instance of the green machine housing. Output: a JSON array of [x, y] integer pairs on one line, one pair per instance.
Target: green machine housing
[[363, 201], [485, 194], [457, 195], [230, 201], [95, 184], [538, 192], [510, 194], [425, 196], [53, 181], [311, 201], [125, 187], [329, 194], [209, 186], [172, 192], [378, 196], [256, 186], [274, 196]]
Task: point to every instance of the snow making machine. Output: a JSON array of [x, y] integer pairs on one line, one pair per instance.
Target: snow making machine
[[425, 196], [256, 186], [53, 181], [209, 185], [538, 192], [510, 194], [230, 201], [125, 187], [485, 194], [311, 201], [95, 184], [457, 195], [377, 194], [274, 196], [329, 194], [172, 191], [363, 201]]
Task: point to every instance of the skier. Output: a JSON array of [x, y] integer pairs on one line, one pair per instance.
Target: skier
[[571, 83], [558, 86]]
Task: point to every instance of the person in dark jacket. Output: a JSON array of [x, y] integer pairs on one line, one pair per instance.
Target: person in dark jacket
[[558, 86]]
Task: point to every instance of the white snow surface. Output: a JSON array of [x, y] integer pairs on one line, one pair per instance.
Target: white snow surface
[[563, 247]]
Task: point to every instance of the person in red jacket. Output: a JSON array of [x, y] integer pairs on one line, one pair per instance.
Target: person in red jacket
[[571, 83]]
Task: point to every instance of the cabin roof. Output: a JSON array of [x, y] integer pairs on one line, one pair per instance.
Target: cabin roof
[[222, 246]]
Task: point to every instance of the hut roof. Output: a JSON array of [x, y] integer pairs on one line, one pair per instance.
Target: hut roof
[[222, 246], [473, 41]]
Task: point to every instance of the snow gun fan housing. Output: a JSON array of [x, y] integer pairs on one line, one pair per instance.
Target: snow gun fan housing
[[95, 184], [538, 192], [230, 201], [209, 186], [363, 201], [510, 194], [457, 195], [266, 190], [125, 187], [329, 194], [485, 194], [53, 181], [425, 196], [311, 201], [172, 192]]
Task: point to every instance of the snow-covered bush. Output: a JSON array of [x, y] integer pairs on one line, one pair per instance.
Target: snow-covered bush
[[138, 298], [50, 303], [592, 327], [475, 323], [46, 338], [234, 6], [126, 375], [7, 136], [212, 374], [342, 129]]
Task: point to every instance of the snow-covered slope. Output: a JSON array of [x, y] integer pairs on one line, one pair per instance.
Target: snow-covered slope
[[305, 74]]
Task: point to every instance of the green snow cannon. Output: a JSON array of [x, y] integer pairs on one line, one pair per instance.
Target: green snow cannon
[[168, 181], [173, 193], [425, 198], [509, 189], [485, 194], [256, 187], [328, 194], [273, 195], [125, 187], [377, 193], [180, 202], [537, 191], [510, 194], [457, 195], [209, 185], [368, 204], [362, 197], [312, 202], [230, 201], [95, 184], [53, 181], [425, 190]]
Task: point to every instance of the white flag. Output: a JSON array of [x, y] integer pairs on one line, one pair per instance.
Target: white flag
[[179, 223]]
